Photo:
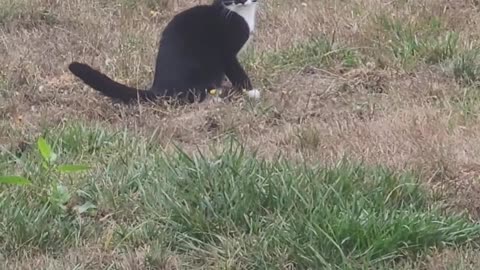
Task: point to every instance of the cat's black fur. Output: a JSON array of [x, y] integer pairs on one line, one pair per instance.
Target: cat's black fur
[[198, 47]]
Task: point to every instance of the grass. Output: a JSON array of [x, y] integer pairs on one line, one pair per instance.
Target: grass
[[466, 73], [226, 207], [419, 41], [372, 107], [468, 103], [10, 9], [466, 68], [25, 14], [317, 52]]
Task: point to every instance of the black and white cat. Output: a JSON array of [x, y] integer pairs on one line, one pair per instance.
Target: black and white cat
[[198, 48]]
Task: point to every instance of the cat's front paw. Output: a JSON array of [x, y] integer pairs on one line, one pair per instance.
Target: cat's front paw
[[253, 94], [217, 100]]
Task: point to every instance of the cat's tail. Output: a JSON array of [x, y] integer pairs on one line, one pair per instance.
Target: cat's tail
[[107, 86]]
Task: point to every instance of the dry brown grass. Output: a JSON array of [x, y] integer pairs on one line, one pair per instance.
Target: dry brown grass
[[376, 112], [95, 258]]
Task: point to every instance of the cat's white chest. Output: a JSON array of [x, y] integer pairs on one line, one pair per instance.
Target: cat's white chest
[[247, 11]]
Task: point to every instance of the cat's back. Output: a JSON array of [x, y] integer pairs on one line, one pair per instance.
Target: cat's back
[[193, 37], [189, 48], [196, 20]]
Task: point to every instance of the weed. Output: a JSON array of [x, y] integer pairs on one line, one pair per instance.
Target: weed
[[14, 180], [54, 195]]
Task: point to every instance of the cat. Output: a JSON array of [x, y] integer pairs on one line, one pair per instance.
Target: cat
[[198, 48]]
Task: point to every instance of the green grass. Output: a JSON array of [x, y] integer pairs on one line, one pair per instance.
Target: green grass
[[3, 87], [466, 68], [226, 208], [466, 71], [25, 13], [317, 52], [421, 41], [468, 103], [10, 9]]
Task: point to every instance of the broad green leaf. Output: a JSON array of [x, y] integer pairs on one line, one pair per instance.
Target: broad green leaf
[[46, 150], [72, 168], [14, 180]]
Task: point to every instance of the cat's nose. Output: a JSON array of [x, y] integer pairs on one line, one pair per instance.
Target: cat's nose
[[240, 1]]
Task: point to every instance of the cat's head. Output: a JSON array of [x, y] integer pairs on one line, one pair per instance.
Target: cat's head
[[234, 4], [244, 8]]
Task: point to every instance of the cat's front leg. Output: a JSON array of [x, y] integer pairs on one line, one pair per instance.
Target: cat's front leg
[[239, 78]]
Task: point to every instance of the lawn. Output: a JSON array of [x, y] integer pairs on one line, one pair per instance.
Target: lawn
[[362, 154]]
